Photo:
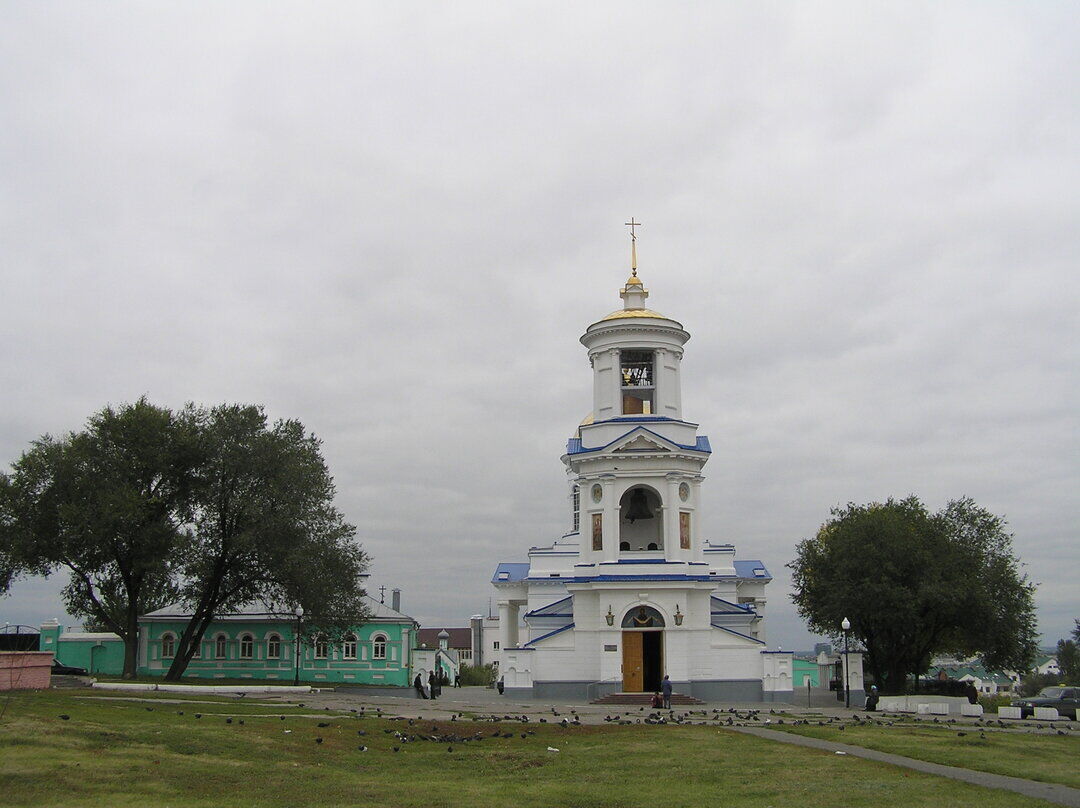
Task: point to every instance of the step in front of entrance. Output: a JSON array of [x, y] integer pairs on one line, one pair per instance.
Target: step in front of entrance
[[644, 699]]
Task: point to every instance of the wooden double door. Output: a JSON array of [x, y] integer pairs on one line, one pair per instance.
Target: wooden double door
[[643, 661]]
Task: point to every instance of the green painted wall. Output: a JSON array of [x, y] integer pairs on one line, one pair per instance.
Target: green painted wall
[[801, 670], [267, 654], [98, 653]]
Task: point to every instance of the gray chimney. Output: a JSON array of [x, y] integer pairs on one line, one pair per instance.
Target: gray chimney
[[395, 599]]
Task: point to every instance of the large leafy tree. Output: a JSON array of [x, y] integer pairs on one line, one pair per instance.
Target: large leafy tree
[[914, 584], [263, 528], [105, 505]]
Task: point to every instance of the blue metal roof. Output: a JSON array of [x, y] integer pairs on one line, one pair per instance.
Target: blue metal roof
[[573, 445], [510, 572], [748, 569]]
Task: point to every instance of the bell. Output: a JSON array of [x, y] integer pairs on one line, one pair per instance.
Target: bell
[[639, 506]]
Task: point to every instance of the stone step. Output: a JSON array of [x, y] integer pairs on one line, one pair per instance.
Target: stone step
[[70, 681], [644, 699]]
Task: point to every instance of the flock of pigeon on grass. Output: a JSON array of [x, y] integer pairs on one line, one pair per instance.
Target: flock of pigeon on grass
[[417, 730]]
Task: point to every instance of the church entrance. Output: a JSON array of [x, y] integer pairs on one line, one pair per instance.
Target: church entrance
[[643, 666]]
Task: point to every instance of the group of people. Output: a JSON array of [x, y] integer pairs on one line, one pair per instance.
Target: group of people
[[436, 681], [661, 699]]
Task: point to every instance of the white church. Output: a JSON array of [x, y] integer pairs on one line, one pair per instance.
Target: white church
[[634, 592]]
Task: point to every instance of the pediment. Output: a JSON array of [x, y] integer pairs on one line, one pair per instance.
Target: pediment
[[642, 443]]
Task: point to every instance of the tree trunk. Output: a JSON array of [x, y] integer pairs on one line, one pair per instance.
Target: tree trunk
[[131, 644]]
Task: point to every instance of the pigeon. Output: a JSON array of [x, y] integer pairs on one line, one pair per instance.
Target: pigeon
[[198, 715], [361, 732], [241, 722], [323, 725], [65, 717], [149, 709], [282, 717], [364, 749], [228, 720], [961, 734], [449, 749], [318, 740]]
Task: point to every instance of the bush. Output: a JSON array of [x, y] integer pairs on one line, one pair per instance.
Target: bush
[[990, 704], [483, 675]]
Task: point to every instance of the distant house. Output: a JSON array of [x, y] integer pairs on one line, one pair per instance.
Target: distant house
[[1047, 664], [459, 640], [988, 683]]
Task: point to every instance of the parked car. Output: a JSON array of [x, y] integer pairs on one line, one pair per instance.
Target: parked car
[[1065, 699], [59, 669]]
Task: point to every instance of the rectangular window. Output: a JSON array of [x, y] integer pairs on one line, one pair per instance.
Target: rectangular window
[[577, 508], [273, 647], [348, 648], [496, 645], [598, 531], [378, 647], [320, 647], [684, 530]]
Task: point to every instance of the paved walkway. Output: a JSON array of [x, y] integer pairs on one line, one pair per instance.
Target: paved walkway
[[1061, 795]]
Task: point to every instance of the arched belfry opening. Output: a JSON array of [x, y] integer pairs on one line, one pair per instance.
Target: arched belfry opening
[[641, 520]]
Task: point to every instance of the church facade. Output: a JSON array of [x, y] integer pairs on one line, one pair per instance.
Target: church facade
[[634, 592]]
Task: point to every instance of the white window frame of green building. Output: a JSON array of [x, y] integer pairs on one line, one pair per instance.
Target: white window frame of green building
[[221, 646], [247, 646], [320, 649], [168, 645], [348, 647], [273, 646], [378, 646]]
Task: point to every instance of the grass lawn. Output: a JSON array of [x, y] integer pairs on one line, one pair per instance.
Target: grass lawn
[[119, 753], [1047, 758]]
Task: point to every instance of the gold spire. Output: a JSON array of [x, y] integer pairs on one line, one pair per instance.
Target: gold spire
[[633, 280]]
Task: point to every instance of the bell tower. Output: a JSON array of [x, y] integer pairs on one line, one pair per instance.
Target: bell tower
[[635, 463]]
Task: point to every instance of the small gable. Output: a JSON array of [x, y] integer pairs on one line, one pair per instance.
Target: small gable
[[642, 444]]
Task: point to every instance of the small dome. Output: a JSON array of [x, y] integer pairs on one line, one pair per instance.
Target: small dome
[[444, 635], [633, 280], [616, 315]]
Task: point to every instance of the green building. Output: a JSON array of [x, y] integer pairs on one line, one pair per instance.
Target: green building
[[252, 643]]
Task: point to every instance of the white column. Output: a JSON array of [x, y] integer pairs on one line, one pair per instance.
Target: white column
[[505, 640], [616, 372], [671, 521], [610, 519]]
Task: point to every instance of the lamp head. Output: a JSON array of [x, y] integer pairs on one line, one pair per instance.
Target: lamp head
[[846, 624]]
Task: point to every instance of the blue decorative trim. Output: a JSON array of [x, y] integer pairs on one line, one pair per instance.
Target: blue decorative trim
[[604, 578], [541, 613], [740, 606], [545, 636], [573, 445], [737, 634]]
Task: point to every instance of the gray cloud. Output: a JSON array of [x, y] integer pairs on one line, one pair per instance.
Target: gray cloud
[[393, 224]]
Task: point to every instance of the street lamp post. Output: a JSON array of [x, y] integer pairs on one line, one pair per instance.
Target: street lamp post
[[299, 615], [846, 626]]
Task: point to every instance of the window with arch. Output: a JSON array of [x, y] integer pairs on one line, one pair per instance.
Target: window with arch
[[221, 646], [320, 647], [348, 647], [273, 647], [247, 646], [378, 646], [168, 645]]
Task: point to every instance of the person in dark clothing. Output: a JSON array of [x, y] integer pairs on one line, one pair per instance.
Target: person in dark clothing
[[872, 699], [657, 701], [665, 687], [418, 683], [500, 685], [433, 685], [972, 693]]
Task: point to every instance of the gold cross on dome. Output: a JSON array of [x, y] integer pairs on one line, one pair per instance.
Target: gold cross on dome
[[632, 224]]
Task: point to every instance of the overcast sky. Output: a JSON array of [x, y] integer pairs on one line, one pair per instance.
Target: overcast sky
[[394, 221]]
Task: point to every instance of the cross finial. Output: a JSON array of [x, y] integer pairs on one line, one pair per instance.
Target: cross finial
[[633, 245], [382, 594]]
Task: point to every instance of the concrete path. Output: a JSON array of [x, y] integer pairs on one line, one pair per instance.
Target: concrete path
[[1061, 795]]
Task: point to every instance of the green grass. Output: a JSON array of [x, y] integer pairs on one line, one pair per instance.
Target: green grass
[[120, 754], [1046, 758]]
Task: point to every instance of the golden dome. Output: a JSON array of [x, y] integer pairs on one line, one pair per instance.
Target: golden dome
[[621, 313], [633, 280]]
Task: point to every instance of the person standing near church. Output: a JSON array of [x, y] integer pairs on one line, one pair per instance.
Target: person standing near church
[[418, 683], [665, 688], [433, 685]]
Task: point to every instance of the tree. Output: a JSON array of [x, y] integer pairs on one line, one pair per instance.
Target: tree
[[263, 528], [104, 504], [914, 584], [1068, 657]]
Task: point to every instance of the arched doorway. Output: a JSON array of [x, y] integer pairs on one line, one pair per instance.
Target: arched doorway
[[643, 650], [641, 520]]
